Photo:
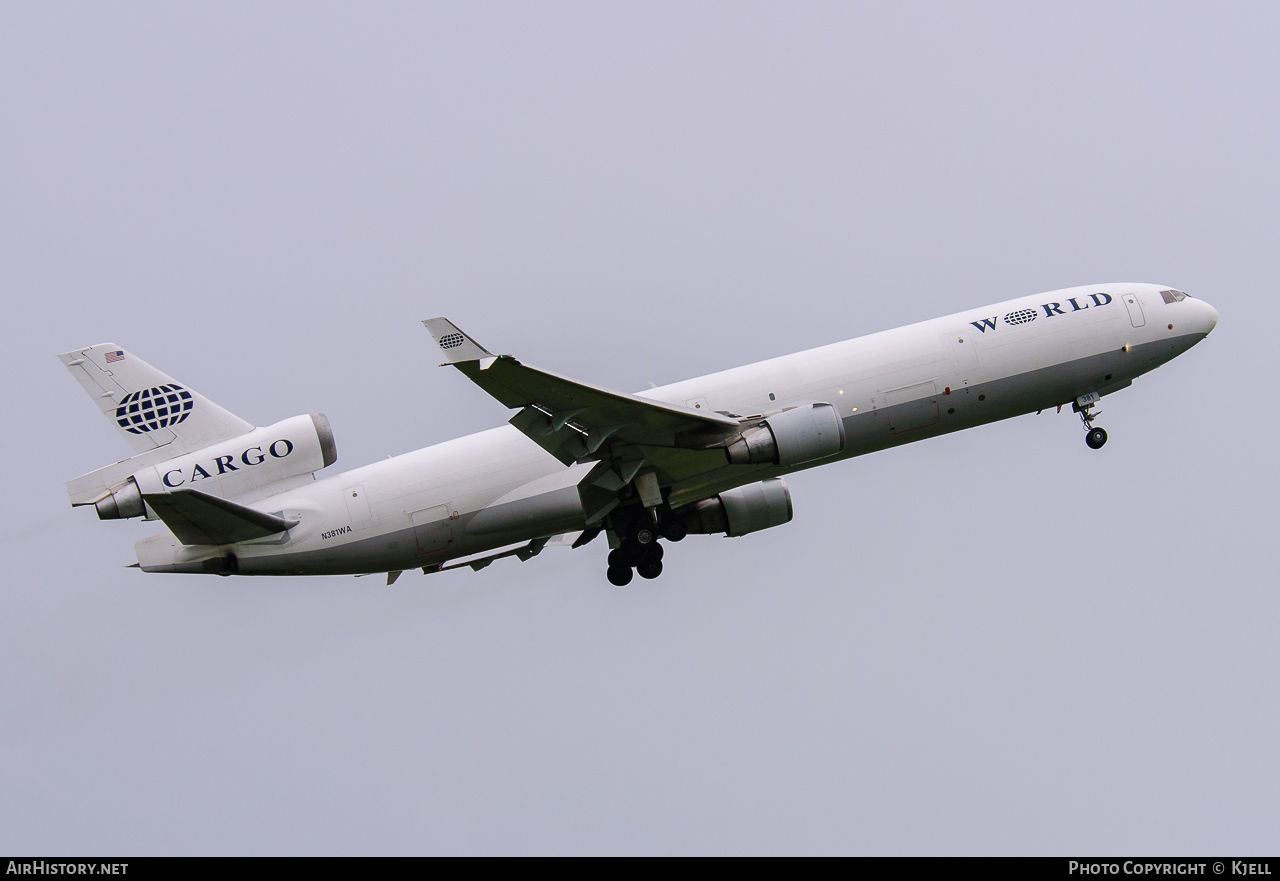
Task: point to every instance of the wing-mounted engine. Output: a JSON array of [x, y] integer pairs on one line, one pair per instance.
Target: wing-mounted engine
[[741, 510], [637, 446], [792, 437], [252, 467]]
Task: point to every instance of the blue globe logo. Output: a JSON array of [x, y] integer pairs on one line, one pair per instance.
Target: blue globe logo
[[154, 408]]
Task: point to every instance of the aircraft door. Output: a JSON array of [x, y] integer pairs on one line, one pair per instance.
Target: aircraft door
[[432, 529], [912, 407], [1135, 310], [357, 504], [965, 350]]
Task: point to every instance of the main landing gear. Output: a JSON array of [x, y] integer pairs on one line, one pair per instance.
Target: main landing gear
[[640, 553], [1094, 437]]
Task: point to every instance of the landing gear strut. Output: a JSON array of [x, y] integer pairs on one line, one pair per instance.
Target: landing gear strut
[[1094, 437]]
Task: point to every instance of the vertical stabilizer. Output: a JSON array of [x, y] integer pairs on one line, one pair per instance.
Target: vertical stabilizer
[[149, 408]]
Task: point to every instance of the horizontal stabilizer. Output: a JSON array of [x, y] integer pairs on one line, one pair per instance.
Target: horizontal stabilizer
[[455, 344], [200, 519]]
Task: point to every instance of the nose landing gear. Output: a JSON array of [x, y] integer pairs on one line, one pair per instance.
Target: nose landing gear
[[1094, 437]]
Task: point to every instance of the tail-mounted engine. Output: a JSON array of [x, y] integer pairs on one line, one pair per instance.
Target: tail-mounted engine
[[792, 437], [262, 463]]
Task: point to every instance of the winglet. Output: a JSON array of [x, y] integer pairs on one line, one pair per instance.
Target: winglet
[[455, 344]]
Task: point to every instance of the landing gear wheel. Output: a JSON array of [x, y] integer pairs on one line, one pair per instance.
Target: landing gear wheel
[[643, 533], [1096, 438], [632, 553], [653, 553], [619, 559], [673, 528], [649, 569], [620, 576]]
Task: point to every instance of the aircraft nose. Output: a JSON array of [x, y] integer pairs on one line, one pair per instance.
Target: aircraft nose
[[1210, 316]]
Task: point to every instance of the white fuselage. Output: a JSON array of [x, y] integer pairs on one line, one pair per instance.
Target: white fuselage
[[973, 367]]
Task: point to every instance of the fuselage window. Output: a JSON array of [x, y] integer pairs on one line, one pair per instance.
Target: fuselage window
[[1173, 296]]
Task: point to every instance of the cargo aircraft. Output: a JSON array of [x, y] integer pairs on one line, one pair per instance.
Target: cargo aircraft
[[705, 456]]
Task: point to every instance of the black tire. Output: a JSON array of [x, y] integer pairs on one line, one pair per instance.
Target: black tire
[[674, 528], [653, 553], [632, 553], [650, 569], [619, 559], [643, 533], [1096, 438], [620, 576]]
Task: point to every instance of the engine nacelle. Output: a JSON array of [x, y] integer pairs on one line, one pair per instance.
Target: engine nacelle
[[253, 466], [123, 503], [742, 510], [792, 437]]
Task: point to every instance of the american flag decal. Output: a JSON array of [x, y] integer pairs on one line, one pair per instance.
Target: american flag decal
[[113, 357]]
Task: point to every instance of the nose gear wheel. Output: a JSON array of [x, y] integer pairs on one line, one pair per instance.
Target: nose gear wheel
[[1094, 437]]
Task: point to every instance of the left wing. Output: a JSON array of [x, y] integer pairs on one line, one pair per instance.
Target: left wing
[[572, 420]]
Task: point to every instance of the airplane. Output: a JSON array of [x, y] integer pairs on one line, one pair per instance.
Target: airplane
[[707, 455]]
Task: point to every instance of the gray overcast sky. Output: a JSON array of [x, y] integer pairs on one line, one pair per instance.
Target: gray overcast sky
[[994, 642]]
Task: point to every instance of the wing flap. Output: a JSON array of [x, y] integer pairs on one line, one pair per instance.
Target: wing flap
[[197, 518]]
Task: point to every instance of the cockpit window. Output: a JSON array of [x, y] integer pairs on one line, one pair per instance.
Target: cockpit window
[[1173, 296]]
